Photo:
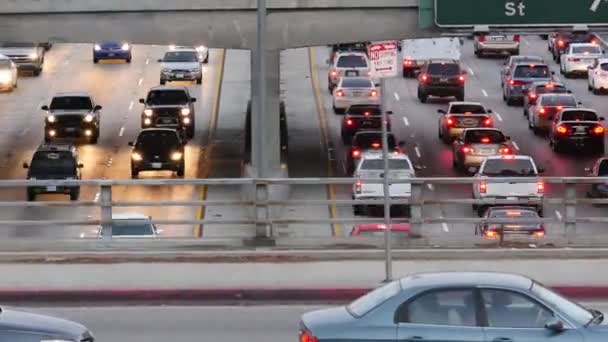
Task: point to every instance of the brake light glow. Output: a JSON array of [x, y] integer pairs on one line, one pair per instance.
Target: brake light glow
[[356, 153], [408, 62], [358, 186], [490, 234], [487, 122], [376, 145], [366, 113], [542, 110], [467, 149], [594, 41], [339, 93], [461, 78], [516, 38], [504, 150], [450, 122], [540, 187], [516, 82], [533, 96], [306, 336], [562, 129], [539, 234], [598, 130], [482, 39], [424, 77], [574, 59], [349, 122], [561, 43], [485, 140], [373, 93], [483, 187], [334, 74]]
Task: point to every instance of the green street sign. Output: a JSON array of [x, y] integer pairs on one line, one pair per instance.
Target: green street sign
[[513, 13]]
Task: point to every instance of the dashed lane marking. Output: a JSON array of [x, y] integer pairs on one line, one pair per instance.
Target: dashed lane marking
[[417, 152], [498, 116], [485, 93], [141, 80], [558, 214], [397, 96], [122, 131], [406, 121], [515, 145], [430, 186], [445, 227], [131, 105]]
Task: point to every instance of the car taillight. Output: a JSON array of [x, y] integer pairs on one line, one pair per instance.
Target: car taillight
[[376, 145], [561, 43], [542, 110], [487, 122], [424, 77], [339, 93], [467, 149], [356, 153], [532, 96], [540, 187], [574, 59], [407, 62], [483, 187], [490, 234], [516, 38], [373, 93], [599, 130], [594, 41], [539, 234], [505, 150], [334, 74], [485, 140], [358, 186], [482, 39], [516, 82], [461, 78], [562, 129], [306, 336], [450, 122], [349, 122]]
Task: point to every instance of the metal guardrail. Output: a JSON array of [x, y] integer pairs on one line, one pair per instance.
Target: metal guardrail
[[259, 198]]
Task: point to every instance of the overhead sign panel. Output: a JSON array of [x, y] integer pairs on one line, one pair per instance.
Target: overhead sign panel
[[513, 13], [383, 56]]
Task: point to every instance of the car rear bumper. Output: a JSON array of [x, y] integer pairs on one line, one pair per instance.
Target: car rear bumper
[[580, 141], [157, 166], [498, 47], [52, 189], [443, 90], [28, 66], [188, 76], [111, 54], [70, 131], [343, 103], [473, 160]]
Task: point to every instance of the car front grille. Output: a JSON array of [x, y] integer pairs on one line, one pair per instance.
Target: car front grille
[[69, 120]]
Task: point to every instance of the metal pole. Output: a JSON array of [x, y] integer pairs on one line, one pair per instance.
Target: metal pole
[[260, 62], [388, 262]]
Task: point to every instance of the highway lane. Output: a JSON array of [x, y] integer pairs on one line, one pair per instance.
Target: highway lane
[[117, 87], [416, 124], [192, 323]]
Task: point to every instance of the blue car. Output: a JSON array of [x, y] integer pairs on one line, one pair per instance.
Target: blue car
[[111, 50], [457, 307]]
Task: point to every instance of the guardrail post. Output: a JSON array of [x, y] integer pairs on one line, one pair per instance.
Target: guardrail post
[[105, 198], [263, 230], [416, 210], [570, 208]]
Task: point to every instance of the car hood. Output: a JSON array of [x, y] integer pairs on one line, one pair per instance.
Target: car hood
[[167, 106], [45, 326], [180, 65], [326, 322], [17, 51]]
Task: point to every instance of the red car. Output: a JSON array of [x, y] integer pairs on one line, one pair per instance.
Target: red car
[[378, 229]]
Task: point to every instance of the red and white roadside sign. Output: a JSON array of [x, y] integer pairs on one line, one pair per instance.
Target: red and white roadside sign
[[383, 56]]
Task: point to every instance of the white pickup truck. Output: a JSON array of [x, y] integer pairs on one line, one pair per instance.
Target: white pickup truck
[[371, 166], [416, 52], [509, 193]]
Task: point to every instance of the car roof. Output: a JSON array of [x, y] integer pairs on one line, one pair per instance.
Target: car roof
[[511, 156], [556, 94], [545, 82], [130, 216], [455, 103], [524, 63], [447, 279], [443, 60], [584, 44], [72, 93], [578, 109], [512, 207], [110, 41], [520, 58], [168, 87], [377, 154], [351, 53], [56, 147], [182, 49], [481, 129]]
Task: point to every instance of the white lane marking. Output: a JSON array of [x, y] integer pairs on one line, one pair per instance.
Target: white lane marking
[[515, 145], [595, 5], [430, 186], [131, 105], [526, 42], [558, 214], [406, 121], [417, 152], [471, 71], [147, 61], [498, 116], [397, 96], [141, 80], [109, 163], [485, 93], [122, 131], [445, 227]]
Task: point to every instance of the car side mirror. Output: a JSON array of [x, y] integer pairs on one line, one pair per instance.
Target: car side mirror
[[553, 73], [602, 118], [418, 167], [579, 102], [401, 144], [508, 137], [80, 166], [97, 107], [45, 107], [142, 101], [26, 166], [193, 99], [389, 112], [541, 169], [441, 111], [160, 60], [377, 84], [588, 170], [490, 111], [569, 91], [131, 143], [555, 325]]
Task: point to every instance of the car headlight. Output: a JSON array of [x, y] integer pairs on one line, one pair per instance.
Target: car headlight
[[33, 55], [185, 111], [51, 118], [125, 47], [201, 48], [195, 70], [136, 156], [148, 112], [89, 118], [97, 47], [176, 156], [186, 121]]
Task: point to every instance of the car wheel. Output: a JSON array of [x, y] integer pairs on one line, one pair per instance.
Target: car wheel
[[515, 53], [47, 139], [555, 146], [31, 196], [589, 86], [95, 138], [206, 60], [128, 60], [190, 132], [600, 149], [345, 138], [37, 71], [199, 80], [460, 96], [422, 96], [181, 171], [74, 194], [509, 102], [596, 91], [162, 82], [454, 162], [525, 113], [357, 210], [95, 60], [134, 173], [481, 210]]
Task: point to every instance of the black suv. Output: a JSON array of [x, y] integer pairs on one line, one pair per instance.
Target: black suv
[[72, 115], [169, 107], [158, 149], [54, 162], [369, 140], [360, 118], [441, 78]]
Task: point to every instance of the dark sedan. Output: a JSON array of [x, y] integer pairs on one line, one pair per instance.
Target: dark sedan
[[158, 149], [17, 326], [457, 307], [510, 221], [112, 50]]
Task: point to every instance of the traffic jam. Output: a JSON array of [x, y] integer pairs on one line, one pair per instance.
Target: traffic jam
[[478, 148]]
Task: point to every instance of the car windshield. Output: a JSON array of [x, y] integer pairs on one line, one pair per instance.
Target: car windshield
[[576, 37], [167, 97], [52, 163], [586, 49], [369, 140], [557, 89], [604, 66], [71, 103], [373, 299], [509, 168], [380, 233], [162, 138], [356, 83], [362, 110], [574, 311], [378, 164], [603, 168], [530, 71], [352, 61], [181, 56], [446, 69], [579, 116], [132, 228], [17, 45], [513, 213], [560, 100], [467, 108], [486, 136]]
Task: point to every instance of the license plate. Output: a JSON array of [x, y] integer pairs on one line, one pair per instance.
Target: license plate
[[111, 55], [486, 152], [497, 38], [70, 129], [179, 75], [580, 129], [366, 123], [352, 73], [157, 165], [512, 198], [443, 80], [51, 188], [469, 122]]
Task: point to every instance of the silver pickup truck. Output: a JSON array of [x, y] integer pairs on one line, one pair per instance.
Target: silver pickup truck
[[26, 55]]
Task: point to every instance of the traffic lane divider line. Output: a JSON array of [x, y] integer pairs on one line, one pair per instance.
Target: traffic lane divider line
[[203, 165], [336, 228]]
